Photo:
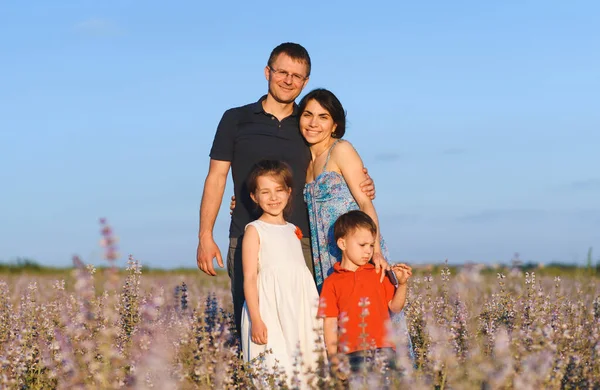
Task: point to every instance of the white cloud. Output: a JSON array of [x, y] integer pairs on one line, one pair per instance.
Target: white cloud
[[586, 185], [98, 27], [493, 215], [456, 151], [388, 157]]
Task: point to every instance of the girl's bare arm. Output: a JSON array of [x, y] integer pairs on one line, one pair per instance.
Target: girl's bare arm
[[250, 247]]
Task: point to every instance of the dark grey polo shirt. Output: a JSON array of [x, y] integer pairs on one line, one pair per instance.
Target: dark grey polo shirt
[[247, 135]]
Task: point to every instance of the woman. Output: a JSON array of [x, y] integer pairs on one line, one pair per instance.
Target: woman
[[333, 179]]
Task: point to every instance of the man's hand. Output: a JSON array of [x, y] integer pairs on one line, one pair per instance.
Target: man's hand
[[368, 186], [380, 265], [232, 205], [259, 332], [207, 251]]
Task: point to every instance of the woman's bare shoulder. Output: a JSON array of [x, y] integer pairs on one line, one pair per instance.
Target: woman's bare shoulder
[[344, 149]]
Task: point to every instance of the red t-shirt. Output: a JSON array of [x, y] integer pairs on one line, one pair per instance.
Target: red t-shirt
[[346, 295]]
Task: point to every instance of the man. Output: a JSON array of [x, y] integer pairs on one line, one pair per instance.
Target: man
[[267, 129]]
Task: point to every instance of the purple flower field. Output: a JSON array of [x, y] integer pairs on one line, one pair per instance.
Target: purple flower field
[[119, 329], [104, 329]]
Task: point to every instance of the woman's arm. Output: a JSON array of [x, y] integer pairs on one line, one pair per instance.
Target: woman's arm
[[350, 166], [250, 247]]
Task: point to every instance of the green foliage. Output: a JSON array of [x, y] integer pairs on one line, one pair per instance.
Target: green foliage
[[21, 265]]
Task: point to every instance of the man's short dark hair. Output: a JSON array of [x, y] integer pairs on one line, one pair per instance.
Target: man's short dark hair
[[294, 51], [352, 220]]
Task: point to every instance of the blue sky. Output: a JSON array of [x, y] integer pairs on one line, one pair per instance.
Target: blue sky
[[479, 121]]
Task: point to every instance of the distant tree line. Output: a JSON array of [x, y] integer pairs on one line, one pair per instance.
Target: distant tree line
[[24, 265], [20, 264]]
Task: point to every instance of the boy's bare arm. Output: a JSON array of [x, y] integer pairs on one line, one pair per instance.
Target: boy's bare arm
[[398, 300], [403, 272], [330, 333]]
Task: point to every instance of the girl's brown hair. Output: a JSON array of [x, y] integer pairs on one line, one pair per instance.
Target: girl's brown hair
[[278, 170]]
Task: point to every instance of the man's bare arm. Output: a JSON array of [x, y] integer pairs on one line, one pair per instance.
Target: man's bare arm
[[214, 187], [368, 185]]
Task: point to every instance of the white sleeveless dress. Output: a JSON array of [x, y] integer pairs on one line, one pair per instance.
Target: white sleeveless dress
[[288, 303]]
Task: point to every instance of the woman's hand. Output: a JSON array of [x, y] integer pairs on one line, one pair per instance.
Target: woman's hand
[[381, 265], [259, 332]]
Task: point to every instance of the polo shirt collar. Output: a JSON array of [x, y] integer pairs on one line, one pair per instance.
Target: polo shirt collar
[[257, 107], [337, 267]]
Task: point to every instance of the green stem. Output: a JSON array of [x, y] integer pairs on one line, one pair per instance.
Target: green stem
[[443, 379]]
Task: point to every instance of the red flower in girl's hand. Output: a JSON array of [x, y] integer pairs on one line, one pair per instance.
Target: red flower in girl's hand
[[298, 233]]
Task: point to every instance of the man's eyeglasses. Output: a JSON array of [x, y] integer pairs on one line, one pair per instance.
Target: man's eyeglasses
[[282, 74]]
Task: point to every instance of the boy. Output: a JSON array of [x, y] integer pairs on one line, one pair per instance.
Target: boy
[[353, 293]]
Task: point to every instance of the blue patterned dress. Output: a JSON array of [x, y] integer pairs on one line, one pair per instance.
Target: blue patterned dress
[[328, 197]]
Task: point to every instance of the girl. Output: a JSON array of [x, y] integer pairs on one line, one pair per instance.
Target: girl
[[280, 312]]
